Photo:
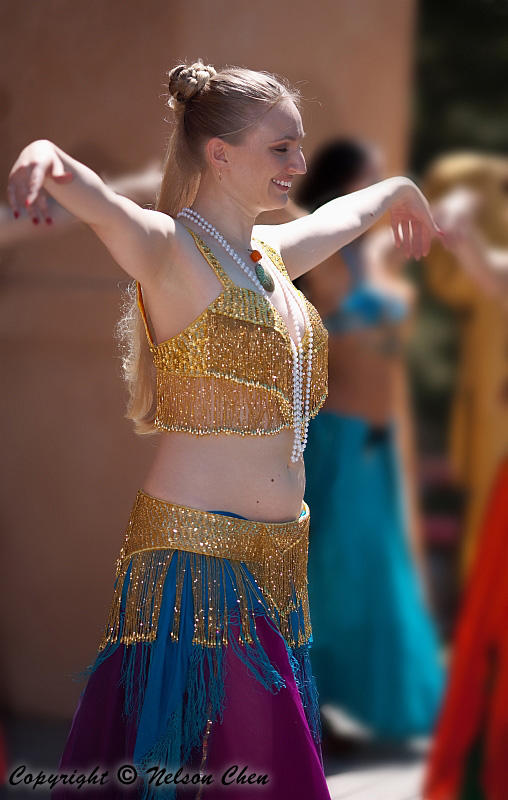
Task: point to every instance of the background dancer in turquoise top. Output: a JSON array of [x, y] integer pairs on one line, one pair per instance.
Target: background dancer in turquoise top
[[375, 651]]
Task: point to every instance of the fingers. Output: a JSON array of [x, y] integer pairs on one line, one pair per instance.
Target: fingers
[[406, 237], [37, 210], [64, 177], [417, 239], [34, 183], [40, 207], [426, 241], [45, 207], [33, 202], [414, 229], [396, 232], [12, 199], [422, 238], [59, 173], [25, 187], [26, 195]]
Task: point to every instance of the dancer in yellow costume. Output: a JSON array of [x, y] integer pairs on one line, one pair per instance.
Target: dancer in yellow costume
[[479, 424]]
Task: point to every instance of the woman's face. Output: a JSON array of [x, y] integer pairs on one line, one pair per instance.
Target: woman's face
[[261, 169]]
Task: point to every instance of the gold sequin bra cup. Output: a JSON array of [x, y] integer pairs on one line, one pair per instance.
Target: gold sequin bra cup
[[231, 370]]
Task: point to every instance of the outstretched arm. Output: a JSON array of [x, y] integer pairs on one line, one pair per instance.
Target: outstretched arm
[[139, 239], [140, 186], [307, 241]]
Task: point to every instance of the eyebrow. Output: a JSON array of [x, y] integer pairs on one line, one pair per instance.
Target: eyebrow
[[290, 137]]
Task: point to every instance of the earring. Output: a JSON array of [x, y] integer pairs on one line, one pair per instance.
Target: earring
[[220, 175]]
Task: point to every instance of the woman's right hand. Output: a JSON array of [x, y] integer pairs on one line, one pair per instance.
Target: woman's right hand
[[25, 184], [412, 220]]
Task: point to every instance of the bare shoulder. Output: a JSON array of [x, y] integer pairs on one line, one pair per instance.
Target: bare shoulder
[[140, 240], [183, 289], [272, 225], [295, 241], [268, 234]]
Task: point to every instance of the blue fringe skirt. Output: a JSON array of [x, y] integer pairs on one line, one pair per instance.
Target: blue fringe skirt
[[202, 686]]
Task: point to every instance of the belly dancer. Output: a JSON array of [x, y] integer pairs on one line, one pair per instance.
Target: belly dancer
[[204, 663], [375, 652]]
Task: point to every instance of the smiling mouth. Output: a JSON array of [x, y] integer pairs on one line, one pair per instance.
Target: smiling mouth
[[286, 185]]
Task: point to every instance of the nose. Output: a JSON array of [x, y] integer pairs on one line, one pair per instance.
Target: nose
[[298, 165]]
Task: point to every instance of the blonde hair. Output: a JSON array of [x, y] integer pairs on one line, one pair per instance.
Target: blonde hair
[[204, 103]]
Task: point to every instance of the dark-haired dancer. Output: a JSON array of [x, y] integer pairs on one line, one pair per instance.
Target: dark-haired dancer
[[205, 656], [375, 652]]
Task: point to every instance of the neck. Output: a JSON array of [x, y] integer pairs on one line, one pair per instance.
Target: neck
[[229, 215]]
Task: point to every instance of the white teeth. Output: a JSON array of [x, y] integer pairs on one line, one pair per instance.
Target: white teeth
[[286, 184]]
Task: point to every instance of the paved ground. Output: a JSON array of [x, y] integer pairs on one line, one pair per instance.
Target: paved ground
[[366, 770], [375, 774], [362, 772]]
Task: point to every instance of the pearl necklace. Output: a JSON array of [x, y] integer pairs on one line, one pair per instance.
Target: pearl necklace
[[301, 416]]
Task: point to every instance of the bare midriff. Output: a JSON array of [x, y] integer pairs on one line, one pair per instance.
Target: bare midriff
[[360, 379], [247, 475]]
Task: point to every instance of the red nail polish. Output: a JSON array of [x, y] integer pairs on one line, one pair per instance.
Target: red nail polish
[[35, 220], [27, 202], [16, 214], [49, 220]]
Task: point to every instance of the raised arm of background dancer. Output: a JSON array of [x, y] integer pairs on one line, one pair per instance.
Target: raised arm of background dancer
[[307, 241], [486, 265], [139, 239]]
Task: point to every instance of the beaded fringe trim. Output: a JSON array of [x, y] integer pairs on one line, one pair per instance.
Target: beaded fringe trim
[[231, 369], [275, 553]]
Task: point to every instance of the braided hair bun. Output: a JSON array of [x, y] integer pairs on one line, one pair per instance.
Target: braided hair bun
[[186, 82]]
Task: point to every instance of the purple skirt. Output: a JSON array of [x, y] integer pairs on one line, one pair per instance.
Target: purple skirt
[[253, 716]]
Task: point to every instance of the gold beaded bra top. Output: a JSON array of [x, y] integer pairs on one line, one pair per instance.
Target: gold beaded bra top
[[231, 369]]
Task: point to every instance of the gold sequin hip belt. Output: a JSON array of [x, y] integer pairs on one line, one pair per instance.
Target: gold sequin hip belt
[[228, 560]]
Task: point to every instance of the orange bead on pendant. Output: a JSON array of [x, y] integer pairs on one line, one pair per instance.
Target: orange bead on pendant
[[263, 276]]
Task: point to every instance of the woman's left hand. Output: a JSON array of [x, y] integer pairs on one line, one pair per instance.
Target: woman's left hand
[[412, 222]]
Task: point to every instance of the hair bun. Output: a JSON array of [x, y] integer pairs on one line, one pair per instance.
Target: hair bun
[[186, 82]]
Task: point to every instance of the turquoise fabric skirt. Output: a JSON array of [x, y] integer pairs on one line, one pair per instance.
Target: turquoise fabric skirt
[[375, 651], [197, 715]]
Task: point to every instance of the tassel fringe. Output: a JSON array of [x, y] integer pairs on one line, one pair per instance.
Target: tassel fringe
[[233, 554], [205, 577]]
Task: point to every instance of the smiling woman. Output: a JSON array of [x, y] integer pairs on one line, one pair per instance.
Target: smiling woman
[[204, 661]]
